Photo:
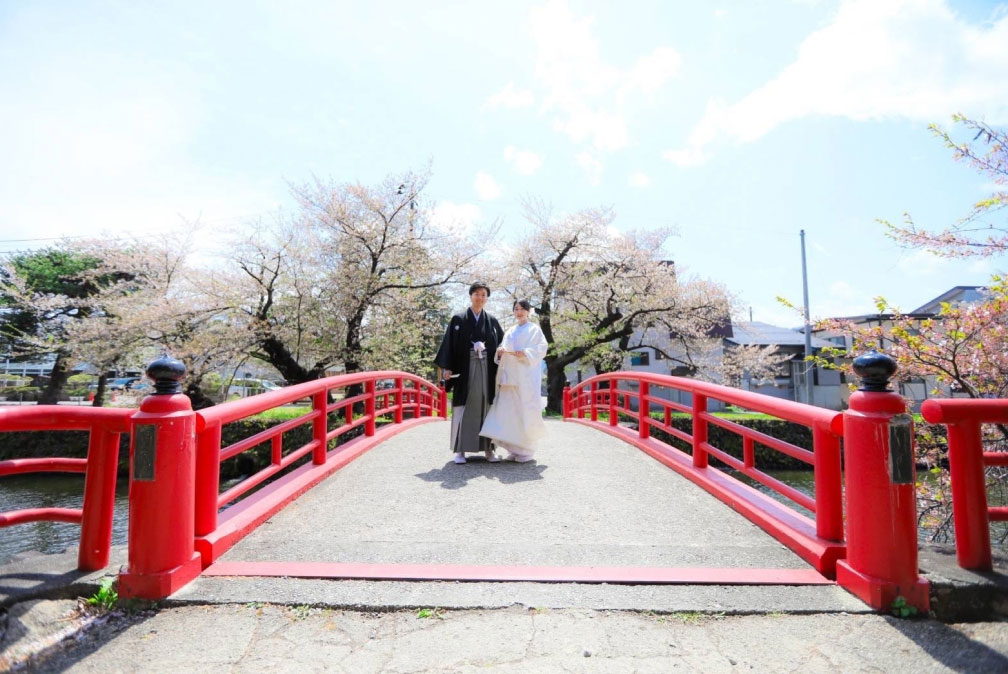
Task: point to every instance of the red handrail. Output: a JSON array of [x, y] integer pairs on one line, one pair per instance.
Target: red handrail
[[970, 513], [421, 396], [826, 426], [95, 516]]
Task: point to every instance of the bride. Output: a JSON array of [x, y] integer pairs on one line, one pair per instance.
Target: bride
[[515, 421]]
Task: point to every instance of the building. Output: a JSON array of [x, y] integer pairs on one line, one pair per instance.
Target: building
[[915, 390], [789, 382]]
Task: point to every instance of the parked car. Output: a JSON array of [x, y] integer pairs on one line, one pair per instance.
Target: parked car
[[248, 387], [121, 383]]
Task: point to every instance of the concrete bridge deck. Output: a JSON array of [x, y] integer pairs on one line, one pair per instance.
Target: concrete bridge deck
[[589, 500]]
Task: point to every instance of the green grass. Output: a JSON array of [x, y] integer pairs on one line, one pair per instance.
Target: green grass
[[281, 413], [106, 596]]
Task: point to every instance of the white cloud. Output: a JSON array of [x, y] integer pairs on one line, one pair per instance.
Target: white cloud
[[652, 71], [915, 59], [486, 187], [525, 162], [981, 266], [511, 98], [591, 166], [584, 94], [841, 290], [921, 264], [639, 179], [457, 218]]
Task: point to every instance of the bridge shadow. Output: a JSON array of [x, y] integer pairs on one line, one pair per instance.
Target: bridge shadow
[[456, 476], [951, 647]]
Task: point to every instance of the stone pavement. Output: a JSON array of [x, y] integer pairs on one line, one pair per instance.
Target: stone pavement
[[299, 639]]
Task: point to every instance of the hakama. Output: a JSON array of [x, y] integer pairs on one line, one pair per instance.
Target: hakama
[[467, 418]]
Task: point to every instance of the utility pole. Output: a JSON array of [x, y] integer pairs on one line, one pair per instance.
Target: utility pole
[[810, 398]]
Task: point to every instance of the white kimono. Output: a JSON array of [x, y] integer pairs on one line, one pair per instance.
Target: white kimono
[[515, 421]]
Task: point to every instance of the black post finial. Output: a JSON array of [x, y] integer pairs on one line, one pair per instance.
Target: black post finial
[[875, 369], [167, 373]]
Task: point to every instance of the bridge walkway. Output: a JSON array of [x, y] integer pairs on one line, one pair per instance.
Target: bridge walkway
[[588, 501]]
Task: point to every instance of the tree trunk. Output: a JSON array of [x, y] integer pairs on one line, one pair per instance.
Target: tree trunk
[[57, 380], [556, 380], [280, 357], [197, 397], [99, 398]]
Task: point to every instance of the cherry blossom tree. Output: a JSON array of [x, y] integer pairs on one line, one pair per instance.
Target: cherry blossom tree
[[978, 233], [964, 348], [594, 288], [354, 280]]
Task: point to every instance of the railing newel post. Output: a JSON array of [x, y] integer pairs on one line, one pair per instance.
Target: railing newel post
[[162, 491], [565, 405], [593, 401], [879, 475]]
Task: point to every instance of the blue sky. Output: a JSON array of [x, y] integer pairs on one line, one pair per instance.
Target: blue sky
[[737, 123]]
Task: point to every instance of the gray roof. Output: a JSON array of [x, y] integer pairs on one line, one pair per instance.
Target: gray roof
[[954, 295], [762, 334]]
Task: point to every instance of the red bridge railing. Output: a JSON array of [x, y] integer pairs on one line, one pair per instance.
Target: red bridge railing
[[401, 392], [585, 401], [967, 461], [99, 469]]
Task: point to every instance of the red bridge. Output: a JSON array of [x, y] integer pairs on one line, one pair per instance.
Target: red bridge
[[859, 530]]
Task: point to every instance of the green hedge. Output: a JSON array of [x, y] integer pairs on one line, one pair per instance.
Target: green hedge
[[731, 442], [73, 444]]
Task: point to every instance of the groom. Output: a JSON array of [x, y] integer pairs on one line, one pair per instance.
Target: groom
[[467, 351]]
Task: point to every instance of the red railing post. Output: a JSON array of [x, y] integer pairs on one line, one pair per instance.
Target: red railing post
[[969, 496], [643, 410], [828, 484], [699, 430], [208, 445], [320, 427], [613, 401], [748, 452], [566, 402], [416, 395], [369, 407], [161, 557], [99, 499], [398, 400], [881, 561], [444, 403], [581, 396], [593, 401]]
